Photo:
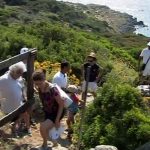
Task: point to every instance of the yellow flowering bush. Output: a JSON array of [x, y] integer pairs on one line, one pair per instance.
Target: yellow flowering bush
[[52, 68]]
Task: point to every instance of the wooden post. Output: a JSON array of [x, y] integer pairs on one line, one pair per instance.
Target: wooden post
[[30, 69], [82, 115]]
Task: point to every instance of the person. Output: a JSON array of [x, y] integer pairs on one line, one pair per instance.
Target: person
[[145, 58], [22, 51], [73, 109], [53, 105], [60, 78], [94, 74], [12, 94]]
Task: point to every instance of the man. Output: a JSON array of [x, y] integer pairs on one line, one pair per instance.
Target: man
[[12, 94], [22, 51], [60, 78], [145, 57], [93, 75]]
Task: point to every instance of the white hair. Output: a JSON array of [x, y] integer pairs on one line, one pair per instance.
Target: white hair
[[18, 66]]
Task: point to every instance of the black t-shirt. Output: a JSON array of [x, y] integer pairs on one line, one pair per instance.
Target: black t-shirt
[[94, 71]]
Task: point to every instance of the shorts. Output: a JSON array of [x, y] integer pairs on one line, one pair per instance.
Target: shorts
[[92, 86], [53, 116], [73, 108]]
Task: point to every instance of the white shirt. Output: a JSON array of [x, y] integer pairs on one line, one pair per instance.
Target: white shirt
[[60, 79], [146, 54], [11, 93]]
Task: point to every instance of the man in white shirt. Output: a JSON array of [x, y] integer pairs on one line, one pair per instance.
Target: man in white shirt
[[60, 78], [145, 57], [11, 92], [11, 89]]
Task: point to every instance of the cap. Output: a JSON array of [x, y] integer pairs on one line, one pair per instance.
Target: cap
[[24, 50]]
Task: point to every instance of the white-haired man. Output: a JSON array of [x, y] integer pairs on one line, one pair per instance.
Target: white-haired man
[[11, 92]]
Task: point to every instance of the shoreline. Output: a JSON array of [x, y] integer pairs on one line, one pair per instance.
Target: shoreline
[[118, 21]]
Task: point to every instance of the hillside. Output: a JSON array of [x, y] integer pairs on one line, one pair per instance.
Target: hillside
[[70, 31], [32, 23], [118, 22]]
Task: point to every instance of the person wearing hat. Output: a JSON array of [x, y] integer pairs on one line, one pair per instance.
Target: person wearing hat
[[145, 58], [93, 75]]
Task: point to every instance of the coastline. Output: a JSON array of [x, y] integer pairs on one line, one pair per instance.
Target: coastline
[[119, 22]]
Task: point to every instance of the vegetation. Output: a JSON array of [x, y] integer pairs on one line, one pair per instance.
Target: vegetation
[[117, 117], [59, 31]]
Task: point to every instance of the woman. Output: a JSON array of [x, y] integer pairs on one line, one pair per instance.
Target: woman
[[53, 105]]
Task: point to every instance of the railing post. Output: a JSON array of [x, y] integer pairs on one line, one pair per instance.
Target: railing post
[[30, 69], [82, 114]]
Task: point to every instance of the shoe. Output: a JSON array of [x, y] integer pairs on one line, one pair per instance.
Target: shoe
[[15, 134], [55, 143], [32, 122], [27, 131]]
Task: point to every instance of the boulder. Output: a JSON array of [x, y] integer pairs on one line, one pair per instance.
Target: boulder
[[105, 147], [144, 147]]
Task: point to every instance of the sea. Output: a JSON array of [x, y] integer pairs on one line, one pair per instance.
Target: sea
[[139, 9]]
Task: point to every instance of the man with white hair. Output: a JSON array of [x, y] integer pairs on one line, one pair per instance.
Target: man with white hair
[[11, 90]]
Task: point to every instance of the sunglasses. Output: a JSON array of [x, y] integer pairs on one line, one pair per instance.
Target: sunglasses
[[90, 60]]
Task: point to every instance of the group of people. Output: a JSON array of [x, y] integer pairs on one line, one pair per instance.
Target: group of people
[[57, 97]]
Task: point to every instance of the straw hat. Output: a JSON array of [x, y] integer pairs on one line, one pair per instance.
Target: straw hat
[[92, 54]]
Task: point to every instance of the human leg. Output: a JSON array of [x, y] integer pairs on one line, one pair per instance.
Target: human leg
[[93, 88], [44, 130]]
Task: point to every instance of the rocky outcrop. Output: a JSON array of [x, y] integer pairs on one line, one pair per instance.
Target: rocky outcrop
[[117, 21], [104, 147]]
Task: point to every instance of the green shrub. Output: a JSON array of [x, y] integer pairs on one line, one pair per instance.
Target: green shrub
[[117, 118]]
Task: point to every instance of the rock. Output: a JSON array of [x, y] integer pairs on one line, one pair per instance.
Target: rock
[[105, 147], [144, 147]]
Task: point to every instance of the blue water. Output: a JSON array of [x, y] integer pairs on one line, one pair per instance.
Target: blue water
[[137, 8]]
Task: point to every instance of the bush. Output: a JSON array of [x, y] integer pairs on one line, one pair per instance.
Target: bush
[[117, 118]]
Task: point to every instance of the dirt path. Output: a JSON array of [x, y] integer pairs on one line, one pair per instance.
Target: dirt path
[[33, 142]]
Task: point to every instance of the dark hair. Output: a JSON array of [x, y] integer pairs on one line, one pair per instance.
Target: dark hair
[[64, 64], [38, 75]]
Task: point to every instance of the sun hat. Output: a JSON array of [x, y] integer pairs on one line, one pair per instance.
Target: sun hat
[[24, 50], [55, 133], [92, 54], [72, 89], [148, 44]]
